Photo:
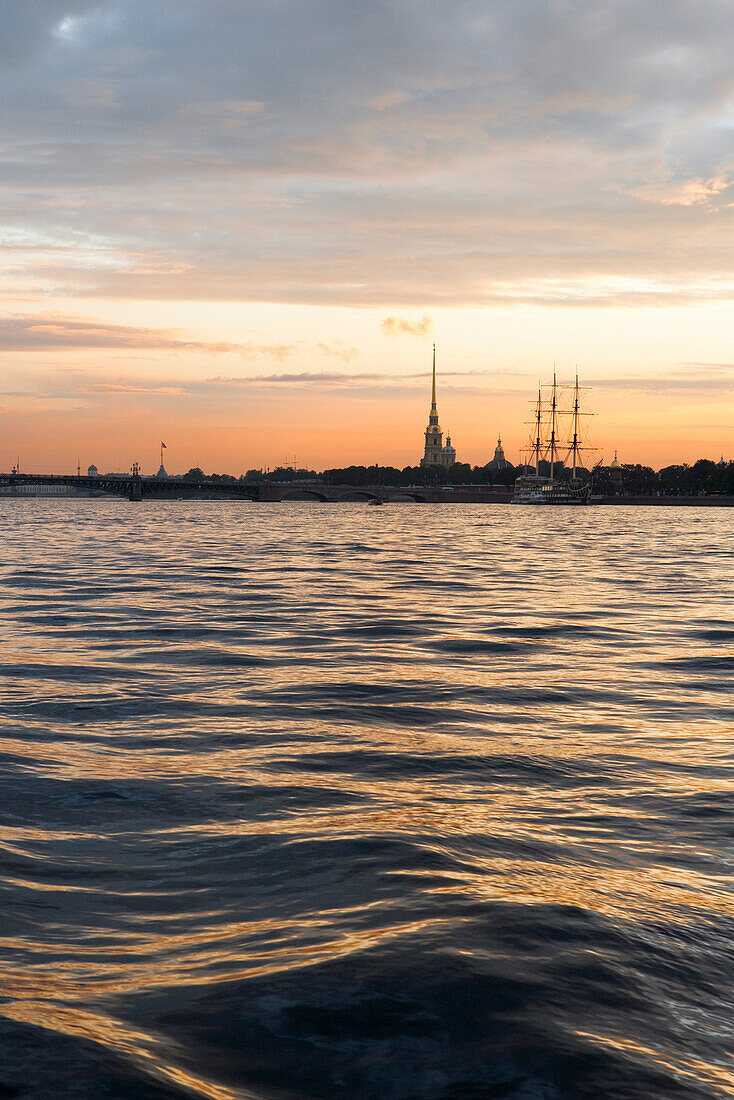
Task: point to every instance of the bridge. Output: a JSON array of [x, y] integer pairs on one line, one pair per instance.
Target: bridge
[[136, 488]]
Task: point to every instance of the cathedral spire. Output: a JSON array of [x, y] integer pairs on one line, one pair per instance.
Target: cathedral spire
[[434, 453]]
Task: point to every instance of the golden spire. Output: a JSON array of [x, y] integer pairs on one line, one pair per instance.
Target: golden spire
[[433, 391]]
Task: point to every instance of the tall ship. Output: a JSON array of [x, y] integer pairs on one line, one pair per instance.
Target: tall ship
[[546, 478]]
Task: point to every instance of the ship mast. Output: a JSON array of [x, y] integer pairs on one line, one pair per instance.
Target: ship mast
[[575, 443], [553, 426], [536, 444]]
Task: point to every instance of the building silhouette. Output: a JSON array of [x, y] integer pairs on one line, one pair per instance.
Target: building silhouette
[[435, 453], [616, 470], [499, 462]]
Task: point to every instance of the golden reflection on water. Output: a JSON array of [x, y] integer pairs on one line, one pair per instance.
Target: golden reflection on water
[[622, 894], [159, 969], [123, 1040], [526, 750], [242, 763], [719, 1078]]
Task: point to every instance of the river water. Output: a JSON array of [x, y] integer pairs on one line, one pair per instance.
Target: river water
[[332, 801]]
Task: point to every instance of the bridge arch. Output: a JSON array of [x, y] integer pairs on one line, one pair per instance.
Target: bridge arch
[[358, 494], [407, 495], [303, 494], [112, 488]]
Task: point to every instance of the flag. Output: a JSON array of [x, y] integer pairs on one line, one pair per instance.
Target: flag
[[163, 446]]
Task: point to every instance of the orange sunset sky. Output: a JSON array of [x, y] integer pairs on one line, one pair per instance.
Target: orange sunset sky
[[239, 228]]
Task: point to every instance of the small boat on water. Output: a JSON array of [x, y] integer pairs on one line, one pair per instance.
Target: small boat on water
[[375, 500], [546, 445]]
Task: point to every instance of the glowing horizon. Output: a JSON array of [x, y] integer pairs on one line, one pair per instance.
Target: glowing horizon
[[241, 231]]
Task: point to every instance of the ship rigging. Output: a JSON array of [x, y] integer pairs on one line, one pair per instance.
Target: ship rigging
[[546, 447]]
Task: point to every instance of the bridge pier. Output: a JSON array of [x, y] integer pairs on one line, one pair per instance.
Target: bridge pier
[[136, 490], [267, 492]]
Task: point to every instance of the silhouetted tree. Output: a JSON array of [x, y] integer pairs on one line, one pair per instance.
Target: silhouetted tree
[[703, 478]]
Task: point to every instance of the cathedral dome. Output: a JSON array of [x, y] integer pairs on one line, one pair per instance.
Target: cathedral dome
[[615, 463], [499, 462]]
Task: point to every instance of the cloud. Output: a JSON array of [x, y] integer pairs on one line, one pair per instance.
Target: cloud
[[396, 326], [345, 352], [111, 387], [353, 379], [693, 192], [301, 377], [664, 385], [61, 333], [401, 154], [26, 333], [222, 114], [65, 333], [28, 29], [387, 100], [712, 368], [91, 94]]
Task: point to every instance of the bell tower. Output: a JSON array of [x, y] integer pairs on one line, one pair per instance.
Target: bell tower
[[434, 436]]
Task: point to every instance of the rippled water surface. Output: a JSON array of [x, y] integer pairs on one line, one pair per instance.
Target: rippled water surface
[[319, 801]]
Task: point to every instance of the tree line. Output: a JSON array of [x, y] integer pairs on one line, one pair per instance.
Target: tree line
[[704, 477]]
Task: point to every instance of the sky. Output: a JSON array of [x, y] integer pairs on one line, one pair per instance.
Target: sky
[[239, 225]]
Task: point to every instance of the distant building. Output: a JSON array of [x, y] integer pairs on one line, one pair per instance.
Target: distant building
[[448, 453], [499, 462], [616, 469], [435, 453], [162, 474], [92, 471]]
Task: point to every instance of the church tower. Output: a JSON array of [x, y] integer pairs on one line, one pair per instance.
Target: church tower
[[499, 462], [433, 455], [616, 470]]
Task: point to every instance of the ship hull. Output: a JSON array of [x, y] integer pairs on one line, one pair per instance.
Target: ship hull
[[550, 492]]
